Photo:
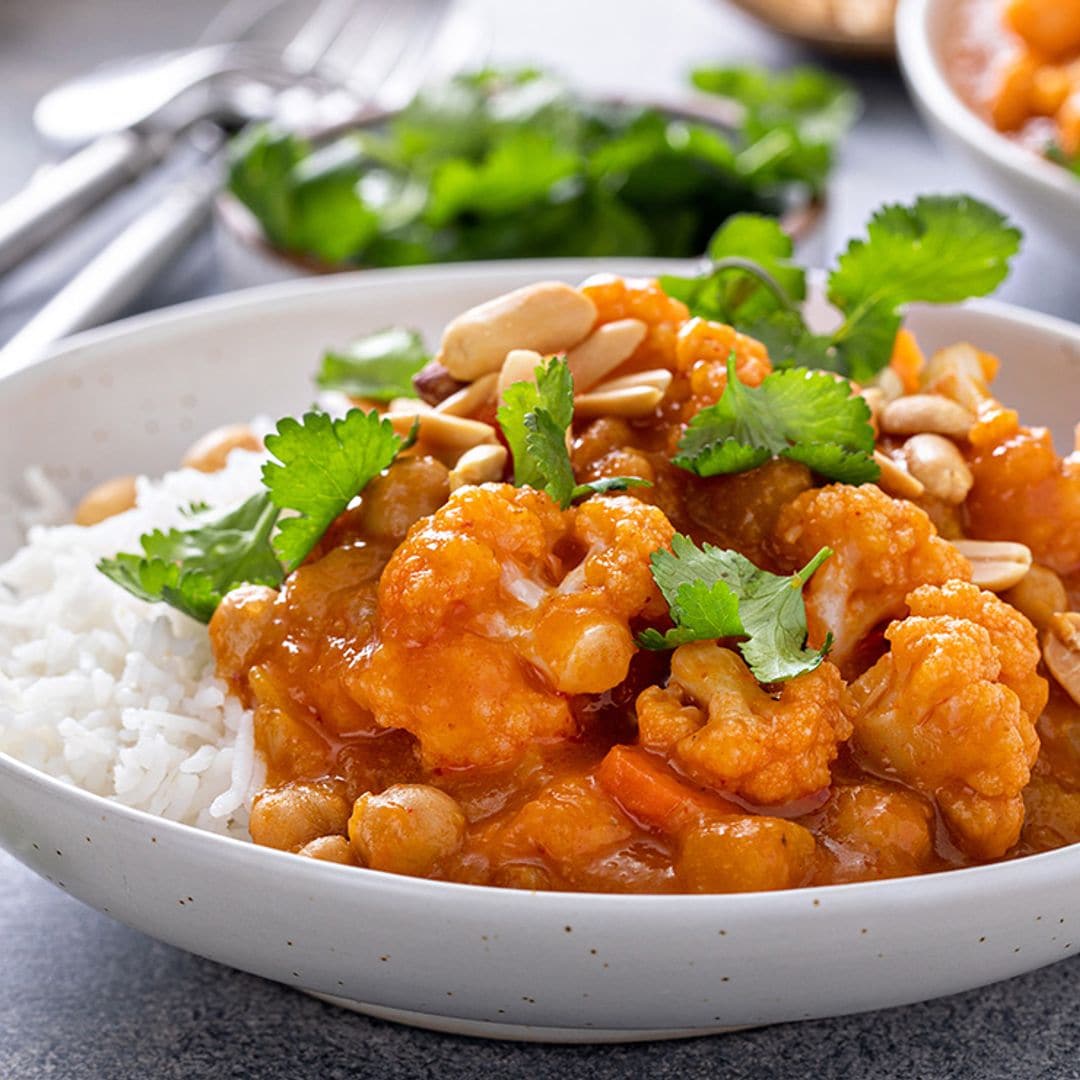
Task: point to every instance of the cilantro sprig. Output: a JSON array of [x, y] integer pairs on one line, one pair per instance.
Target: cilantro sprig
[[940, 250], [718, 593], [535, 417], [322, 465], [807, 416], [378, 367]]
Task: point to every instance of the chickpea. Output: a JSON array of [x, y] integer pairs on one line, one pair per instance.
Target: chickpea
[[106, 500], [292, 816], [746, 855], [407, 829], [210, 453], [411, 489], [336, 849]]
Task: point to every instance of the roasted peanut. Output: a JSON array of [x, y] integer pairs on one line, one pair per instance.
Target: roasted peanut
[[106, 500], [915, 414], [623, 401], [603, 351], [659, 378], [890, 384], [937, 464], [1038, 595], [519, 366], [896, 480], [441, 431], [1061, 651], [995, 564], [433, 383], [549, 317], [210, 453], [480, 465], [470, 397]]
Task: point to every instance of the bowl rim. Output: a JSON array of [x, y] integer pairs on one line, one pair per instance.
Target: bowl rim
[[920, 64], [929, 889]]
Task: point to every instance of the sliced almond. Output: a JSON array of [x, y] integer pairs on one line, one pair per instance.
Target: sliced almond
[[439, 430], [603, 351], [479, 465], [519, 366], [915, 414], [937, 464], [626, 401], [660, 378], [550, 317], [469, 398], [1061, 651], [895, 479], [995, 564]]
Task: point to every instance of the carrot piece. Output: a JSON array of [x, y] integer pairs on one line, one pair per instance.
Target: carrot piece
[[907, 360], [652, 794]]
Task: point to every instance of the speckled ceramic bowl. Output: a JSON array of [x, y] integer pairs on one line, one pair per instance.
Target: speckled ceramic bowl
[[550, 966]]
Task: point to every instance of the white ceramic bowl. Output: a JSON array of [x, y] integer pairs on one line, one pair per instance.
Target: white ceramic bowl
[[552, 966], [1033, 189]]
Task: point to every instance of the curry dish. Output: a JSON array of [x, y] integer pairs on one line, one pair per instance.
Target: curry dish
[[453, 682], [1017, 62]]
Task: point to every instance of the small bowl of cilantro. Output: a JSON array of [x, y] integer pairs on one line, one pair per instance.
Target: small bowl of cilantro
[[513, 164]]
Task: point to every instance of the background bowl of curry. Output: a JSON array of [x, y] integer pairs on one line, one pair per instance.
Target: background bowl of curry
[[1036, 190], [462, 958]]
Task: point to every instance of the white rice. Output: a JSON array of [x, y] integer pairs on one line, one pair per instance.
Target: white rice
[[112, 694]]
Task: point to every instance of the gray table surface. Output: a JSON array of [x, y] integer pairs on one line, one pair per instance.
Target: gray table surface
[[81, 996]]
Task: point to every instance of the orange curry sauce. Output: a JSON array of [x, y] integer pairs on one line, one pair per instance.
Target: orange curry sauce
[[481, 646]]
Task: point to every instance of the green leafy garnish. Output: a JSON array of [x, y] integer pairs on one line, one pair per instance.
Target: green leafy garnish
[[505, 164], [940, 250], [807, 416], [324, 465], [193, 569], [1057, 154], [378, 367], [535, 417], [716, 593]]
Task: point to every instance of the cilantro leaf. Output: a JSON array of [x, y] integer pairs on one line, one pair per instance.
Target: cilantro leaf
[[377, 367], [809, 416], [324, 465], [717, 593], [193, 569], [752, 275], [942, 249], [534, 417], [609, 483]]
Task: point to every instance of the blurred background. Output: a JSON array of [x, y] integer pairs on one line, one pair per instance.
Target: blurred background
[[638, 51]]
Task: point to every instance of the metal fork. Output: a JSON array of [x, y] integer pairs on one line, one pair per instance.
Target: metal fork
[[382, 54]]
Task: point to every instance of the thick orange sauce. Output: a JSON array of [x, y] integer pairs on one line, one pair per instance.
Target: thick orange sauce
[[432, 642]]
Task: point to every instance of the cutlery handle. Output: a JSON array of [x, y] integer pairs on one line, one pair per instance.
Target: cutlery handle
[[51, 201], [114, 278]]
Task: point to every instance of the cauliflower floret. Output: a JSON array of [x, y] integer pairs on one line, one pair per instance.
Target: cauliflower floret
[[499, 605], [1015, 639], [725, 731], [939, 710], [882, 549], [1023, 491]]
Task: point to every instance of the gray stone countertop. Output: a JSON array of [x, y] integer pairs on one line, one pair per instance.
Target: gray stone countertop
[[81, 996]]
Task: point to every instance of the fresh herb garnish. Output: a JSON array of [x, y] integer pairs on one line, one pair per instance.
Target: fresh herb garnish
[[378, 367], [193, 569], [1056, 154], [535, 418], [503, 164], [941, 249], [323, 464], [807, 416], [716, 593]]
